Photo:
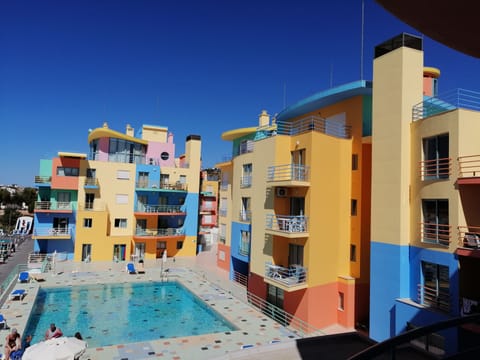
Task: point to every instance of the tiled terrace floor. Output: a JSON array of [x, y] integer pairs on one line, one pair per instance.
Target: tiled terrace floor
[[199, 276]]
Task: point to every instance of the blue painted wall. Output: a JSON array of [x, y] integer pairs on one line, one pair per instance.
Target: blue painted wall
[[239, 262], [395, 274]]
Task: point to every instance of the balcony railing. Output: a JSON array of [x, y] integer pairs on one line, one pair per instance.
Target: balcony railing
[[436, 169], [92, 206], [159, 208], [469, 237], [291, 276], [43, 179], [434, 233], [246, 181], [245, 215], [224, 186], [290, 224], [52, 232], [47, 205], [244, 248], [208, 207], [288, 172], [469, 166], [314, 123], [246, 147], [160, 232], [91, 182], [451, 100], [164, 186], [436, 298]]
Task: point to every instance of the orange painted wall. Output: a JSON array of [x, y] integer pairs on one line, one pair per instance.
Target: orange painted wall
[[223, 264], [346, 317], [257, 286], [64, 182]]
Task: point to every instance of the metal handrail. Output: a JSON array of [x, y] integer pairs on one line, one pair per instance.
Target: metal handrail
[[450, 100], [160, 232], [245, 216], [288, 172], [434, 233], [42, 179], [314, 123], [287, 223], [436, 168], [159, 208], [291, 276], [469, 166], [246, 181]]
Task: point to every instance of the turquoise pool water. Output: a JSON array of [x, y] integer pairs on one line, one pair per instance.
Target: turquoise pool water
[[111, 314]]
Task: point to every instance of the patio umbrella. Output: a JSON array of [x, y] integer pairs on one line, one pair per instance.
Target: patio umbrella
[[62, 348]]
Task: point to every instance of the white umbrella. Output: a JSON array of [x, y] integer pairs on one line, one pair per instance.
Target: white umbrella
[[62, 348], [164, 257]]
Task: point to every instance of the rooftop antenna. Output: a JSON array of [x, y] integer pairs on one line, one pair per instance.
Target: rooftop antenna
[[361, 46]]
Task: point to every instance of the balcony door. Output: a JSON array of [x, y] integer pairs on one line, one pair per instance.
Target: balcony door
[[89, 199], [295, 254], [63, 200], [297, 206]]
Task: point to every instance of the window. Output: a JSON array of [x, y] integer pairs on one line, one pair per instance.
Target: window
[[67, 171], [341, 301], [435, 289], [354, 161], [223, 232], [120, 223], [246, 146], [436, 228], [179, 245], [246, 179], [244, 243], [91, 173], [436, 163], [353, 252], [87, 222], [142, 179], [161, 244], [164, 178], [123, 174], [353, 210], [245, 213], [121, 198], [295, 254], [183, 179]]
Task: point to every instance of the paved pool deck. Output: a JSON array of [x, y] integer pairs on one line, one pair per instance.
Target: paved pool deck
[[257, 334]]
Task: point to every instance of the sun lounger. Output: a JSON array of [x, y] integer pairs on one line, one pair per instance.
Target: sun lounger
[[3, 322], [18, 294], [24, 277], [131, 268]]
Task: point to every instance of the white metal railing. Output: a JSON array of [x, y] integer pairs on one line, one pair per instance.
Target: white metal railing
[[291, 276], [288, 172], [91, 181], [48, 205], [246, 181], [314, 123], [222, 212], [92, 206], [159, 208], [286, 223], [53, 232], [43, 179], [245, 216], [160, 232]]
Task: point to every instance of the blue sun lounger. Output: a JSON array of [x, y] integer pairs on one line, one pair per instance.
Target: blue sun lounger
[[24, 277], [3, 322], [18, 294], [131, 268]]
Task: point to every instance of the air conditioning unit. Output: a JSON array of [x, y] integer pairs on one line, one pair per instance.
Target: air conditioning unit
[[282, 192]]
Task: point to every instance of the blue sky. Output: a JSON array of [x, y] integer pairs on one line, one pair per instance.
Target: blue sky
[[197, 67]]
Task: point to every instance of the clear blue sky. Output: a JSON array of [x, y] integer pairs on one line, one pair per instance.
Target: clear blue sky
[[197, 67]]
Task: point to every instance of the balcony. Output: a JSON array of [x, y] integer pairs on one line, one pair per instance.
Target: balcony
[[59, 206], [290, 279], [223, 212], [156, 186], [287, 225], [166, 232], [224, 186], [246, 181], [469, 169], [43, 180], [314, 123], [52, 233], [448, 101], [208, 207], [468, 240], [157, 209], [289, 175], [91, 183], [436, 169], [245, 216], [244, 248], [92, 206], [434, 233]]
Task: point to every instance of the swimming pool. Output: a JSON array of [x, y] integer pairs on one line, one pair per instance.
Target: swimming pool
[[109, 314]]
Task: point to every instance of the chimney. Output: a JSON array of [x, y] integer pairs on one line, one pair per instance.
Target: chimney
[[170, 138], [263, 119], [129, 131]]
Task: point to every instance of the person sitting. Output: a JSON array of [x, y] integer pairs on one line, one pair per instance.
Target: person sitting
[[12, 343], [17, 354], [78, 336], [53, 332]]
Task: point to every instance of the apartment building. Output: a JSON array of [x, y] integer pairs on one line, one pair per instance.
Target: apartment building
[[425, 221], [208, 212], [297, 200], [128, 198]]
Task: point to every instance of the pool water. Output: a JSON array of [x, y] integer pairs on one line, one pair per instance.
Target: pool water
[[110, 314]]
